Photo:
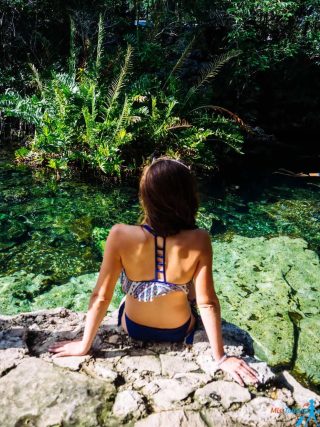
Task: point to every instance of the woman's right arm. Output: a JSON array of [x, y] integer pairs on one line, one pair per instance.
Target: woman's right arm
[[210, 312]]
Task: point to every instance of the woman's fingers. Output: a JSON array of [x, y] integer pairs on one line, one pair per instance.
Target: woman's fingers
[[57, 344], [237, 377], [253, 371], [246, 372], [249, 372]]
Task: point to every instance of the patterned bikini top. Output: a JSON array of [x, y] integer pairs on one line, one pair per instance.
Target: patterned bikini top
[[147, 290]]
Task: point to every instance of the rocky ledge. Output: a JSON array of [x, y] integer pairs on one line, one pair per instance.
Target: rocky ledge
[[131, 383]]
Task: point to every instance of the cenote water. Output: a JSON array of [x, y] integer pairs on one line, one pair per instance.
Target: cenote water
[[266, 242]]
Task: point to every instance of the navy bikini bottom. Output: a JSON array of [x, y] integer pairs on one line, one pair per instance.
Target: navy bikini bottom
[[147, 333]]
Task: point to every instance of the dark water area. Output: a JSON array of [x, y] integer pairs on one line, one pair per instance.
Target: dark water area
[[52, 233]]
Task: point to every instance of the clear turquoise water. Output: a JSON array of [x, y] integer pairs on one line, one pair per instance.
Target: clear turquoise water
[[49, 228], [51, 232]]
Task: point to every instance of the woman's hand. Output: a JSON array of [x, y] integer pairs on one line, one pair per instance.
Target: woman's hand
[[238, 368], [68, 348]]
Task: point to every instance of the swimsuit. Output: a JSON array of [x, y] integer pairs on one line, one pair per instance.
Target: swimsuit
[[146, 291]]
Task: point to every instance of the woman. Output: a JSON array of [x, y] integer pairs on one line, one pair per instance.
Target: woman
[[165, 265]]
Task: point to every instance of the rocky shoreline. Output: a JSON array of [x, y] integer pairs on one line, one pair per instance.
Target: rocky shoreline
[[127, 382]]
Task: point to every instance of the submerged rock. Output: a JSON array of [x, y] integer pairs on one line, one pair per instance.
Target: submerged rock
[[271, 289]]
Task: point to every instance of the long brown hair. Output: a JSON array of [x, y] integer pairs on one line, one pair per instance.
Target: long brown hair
[[168, 196]]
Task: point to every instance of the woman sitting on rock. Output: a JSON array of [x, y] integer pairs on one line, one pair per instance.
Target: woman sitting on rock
[[166, 270]]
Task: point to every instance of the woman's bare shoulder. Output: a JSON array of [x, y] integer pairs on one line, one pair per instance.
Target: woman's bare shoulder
[[121, 229]]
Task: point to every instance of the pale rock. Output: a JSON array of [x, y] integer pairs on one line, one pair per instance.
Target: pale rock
[[263, 412], [300, 394], [104, 372], [71, 362], [206, 363], [13, 348], [168, 393], [171, 365], [222, 392], [113, 339], [172, 419], [141, 364], [128, 404], [37, 393], [214, 417]]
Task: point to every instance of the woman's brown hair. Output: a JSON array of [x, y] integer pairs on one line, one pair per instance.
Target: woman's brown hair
[[168, 196]]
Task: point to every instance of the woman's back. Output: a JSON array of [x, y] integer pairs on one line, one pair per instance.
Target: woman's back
[[137, 251], [138, 254]]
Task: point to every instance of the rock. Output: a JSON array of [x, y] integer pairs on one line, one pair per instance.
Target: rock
[[71, 362], [170, 365], [119, 383], [214, 417], [300, 394], [141, 364], [13, 348], [206, 363], [104, 372], [168, 393], [263, 412], [172, 418], [284, 395], [113, 339], [222, 392], [129, 404], [38, 393]]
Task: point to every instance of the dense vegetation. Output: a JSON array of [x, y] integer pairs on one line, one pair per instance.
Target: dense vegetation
[[103, 85]]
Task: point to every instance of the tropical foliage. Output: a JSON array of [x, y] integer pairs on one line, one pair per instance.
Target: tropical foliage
[[81, 118], [103, 85]]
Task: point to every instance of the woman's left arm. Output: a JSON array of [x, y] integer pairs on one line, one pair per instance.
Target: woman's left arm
[[100, 298]]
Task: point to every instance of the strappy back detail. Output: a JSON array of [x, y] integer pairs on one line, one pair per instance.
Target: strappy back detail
[[160, 255], [146, 290]]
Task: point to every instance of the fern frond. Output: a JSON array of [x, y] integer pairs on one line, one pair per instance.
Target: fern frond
[[101, 37], [37, 79], [180, 61], [73, 51], [182, 124], [234, 116], [118, 82], [211, 71], [123, 119]]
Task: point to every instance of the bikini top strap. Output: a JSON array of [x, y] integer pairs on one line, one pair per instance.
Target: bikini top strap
[[159, 255], [148, 228]]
